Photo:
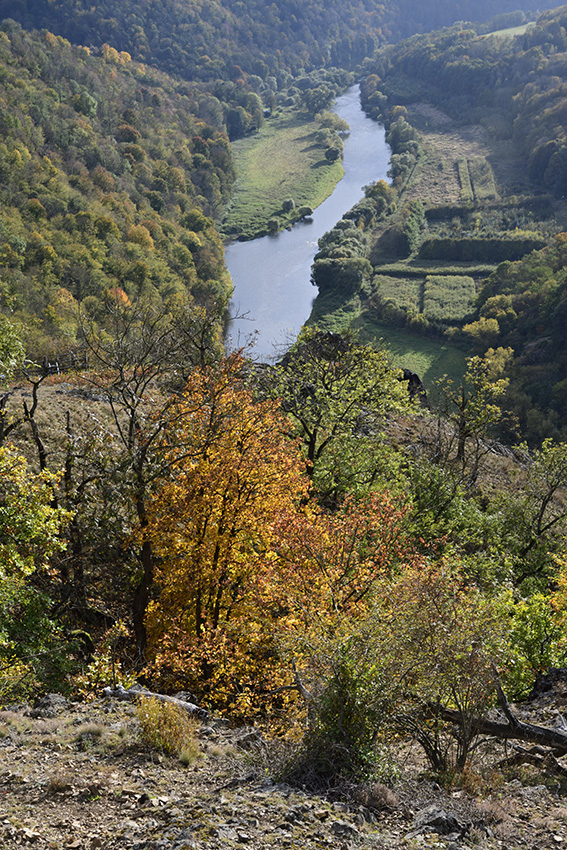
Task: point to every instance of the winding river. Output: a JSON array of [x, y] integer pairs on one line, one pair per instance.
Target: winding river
[[271, 275]]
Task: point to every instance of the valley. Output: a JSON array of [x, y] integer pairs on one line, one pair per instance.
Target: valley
[[340, 568]]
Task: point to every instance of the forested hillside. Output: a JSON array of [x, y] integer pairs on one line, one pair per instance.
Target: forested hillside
[[515, 86], [210, 40], [109, 182]]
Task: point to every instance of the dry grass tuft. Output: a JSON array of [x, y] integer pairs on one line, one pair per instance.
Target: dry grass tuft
[[166, 727]]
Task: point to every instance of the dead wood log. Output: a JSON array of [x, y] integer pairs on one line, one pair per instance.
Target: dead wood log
[[136, 691], [512, 729], [536, 756]]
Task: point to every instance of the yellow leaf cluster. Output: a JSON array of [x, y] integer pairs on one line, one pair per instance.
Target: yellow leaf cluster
[[233, 472]]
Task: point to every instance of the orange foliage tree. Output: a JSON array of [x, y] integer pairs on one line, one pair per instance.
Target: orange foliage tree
[[233, 472], [251, 575], [328, 563]]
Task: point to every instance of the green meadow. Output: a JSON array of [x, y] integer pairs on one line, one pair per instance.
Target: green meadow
[[283, 160], [430, 358]]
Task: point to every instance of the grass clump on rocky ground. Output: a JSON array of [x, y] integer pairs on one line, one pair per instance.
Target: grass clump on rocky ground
[[166, 727]]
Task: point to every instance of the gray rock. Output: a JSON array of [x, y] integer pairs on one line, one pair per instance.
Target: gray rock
[[50, 706], [435, 819], [344, 829], [184, 841], [227, 833]]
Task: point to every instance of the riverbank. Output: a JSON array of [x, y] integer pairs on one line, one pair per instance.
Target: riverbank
[[271, 276], [283, 161]]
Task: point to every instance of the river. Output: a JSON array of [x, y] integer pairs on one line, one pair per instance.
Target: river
[[271, 275]]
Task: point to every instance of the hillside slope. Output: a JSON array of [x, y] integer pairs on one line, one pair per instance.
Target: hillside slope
[[203, 39], [109, 179]]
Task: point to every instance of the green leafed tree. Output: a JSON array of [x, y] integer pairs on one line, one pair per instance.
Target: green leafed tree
[[470, 410], [11, 349], [335, 392], [30, 535]]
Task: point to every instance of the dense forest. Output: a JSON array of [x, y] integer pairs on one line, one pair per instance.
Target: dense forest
[[309, 545], [109, 182], [209, 40]]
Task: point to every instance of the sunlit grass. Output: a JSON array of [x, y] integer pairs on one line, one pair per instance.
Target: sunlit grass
[[429, 358], [509, 32], [283, 160]]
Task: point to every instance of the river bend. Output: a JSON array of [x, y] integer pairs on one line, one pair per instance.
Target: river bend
[[271, 275]]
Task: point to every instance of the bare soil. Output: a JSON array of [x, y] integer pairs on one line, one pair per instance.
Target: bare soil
[[82, 779]]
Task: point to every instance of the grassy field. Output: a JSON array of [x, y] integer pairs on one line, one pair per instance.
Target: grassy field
[[404, 293], [482, 179], [448, 298], [427, 357], [421, 268], [465, 180], [283, 160], [510, 32]]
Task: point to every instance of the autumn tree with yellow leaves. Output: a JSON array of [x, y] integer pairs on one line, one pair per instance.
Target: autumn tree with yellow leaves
[[233, 473]]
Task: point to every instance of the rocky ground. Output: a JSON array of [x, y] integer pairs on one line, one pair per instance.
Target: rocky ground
[[77, 776]]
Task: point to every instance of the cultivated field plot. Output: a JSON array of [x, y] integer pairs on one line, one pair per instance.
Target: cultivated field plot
[[467, 193], [406, 294], [447, 298], [482, 179], [439, 297], [436, 179], [422, 268]]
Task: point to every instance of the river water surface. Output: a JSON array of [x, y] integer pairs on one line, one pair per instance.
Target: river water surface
[[271, 275]]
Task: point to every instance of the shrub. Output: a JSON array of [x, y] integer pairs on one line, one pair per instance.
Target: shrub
[[166, 727], [490, 250], [346, 275], [419, 663], [349, 701], [414, 222], [537, 642], [17, 681]]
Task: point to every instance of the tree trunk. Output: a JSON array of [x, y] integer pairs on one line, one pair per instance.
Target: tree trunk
[[141, 599]]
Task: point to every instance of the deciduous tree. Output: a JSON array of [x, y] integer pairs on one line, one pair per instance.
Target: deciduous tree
[[233, 473], [336, 392], [30, 535]]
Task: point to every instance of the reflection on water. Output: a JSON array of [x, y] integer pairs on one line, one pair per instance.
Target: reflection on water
[[271, 275]]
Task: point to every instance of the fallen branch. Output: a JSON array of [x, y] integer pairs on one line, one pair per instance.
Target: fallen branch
[[136, 691], [514, 729], [542, 759]]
